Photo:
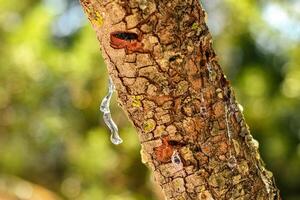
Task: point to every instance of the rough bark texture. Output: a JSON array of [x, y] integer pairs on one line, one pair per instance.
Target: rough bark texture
[[193, 134]]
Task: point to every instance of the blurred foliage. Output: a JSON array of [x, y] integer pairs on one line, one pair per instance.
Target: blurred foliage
[[52, 78]]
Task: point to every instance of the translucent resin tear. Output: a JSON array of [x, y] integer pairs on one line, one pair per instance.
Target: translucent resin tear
[[232, 162], [176, 158], [104, 107]]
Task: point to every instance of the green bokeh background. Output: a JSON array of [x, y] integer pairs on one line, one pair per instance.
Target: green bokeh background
[[52, 79]]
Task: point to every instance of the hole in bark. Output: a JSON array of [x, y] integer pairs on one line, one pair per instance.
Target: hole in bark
[[173, 58], [175, 143], [208, 55], [202, 62], [197, 149], [128, 36]]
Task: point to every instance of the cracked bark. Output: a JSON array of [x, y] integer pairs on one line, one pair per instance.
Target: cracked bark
[[193, 134]]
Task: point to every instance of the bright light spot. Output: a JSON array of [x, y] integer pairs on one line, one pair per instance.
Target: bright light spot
[[69, 22], [275, 16], [280, 28], [23, 191], [291, 87], [57, 6], [71, 187], [241, 107], [217, 16], [282, 20], [266, 41]]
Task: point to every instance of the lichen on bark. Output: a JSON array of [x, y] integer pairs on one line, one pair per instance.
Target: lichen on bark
[[159, 54]]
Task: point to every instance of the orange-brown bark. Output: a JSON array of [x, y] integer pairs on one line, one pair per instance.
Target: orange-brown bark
[[193, 135]]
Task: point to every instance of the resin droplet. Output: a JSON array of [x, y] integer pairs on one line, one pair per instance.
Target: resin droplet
[[114, 137], [232, 162], [227, 123], [176, 158], [241, 107], [104, 107]]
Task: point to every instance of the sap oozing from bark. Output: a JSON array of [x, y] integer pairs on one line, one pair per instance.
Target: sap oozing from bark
[[104, 107]]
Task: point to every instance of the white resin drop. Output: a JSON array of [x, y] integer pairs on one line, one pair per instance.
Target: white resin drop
[[232, 162], [176, 158], [227, 123], [104, 107], [241, 107]]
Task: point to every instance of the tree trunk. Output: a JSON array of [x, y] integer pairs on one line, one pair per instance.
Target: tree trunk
[[192, 131]]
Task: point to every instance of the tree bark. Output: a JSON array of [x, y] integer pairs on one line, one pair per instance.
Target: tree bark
[[192, 131]]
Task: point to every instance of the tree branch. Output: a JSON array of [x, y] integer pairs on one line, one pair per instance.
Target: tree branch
[[193, 135]]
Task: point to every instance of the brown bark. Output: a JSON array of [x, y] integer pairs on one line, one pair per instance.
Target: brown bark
[[193, 135]]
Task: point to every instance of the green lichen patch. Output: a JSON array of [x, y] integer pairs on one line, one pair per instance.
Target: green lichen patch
[[195, 26], [136, 101], [217, 180], [243, 167], [182, 88], [236, 146], [98, 19], [149, 125]]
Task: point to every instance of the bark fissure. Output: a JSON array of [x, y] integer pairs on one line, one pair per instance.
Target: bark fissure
[[193, 135]]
